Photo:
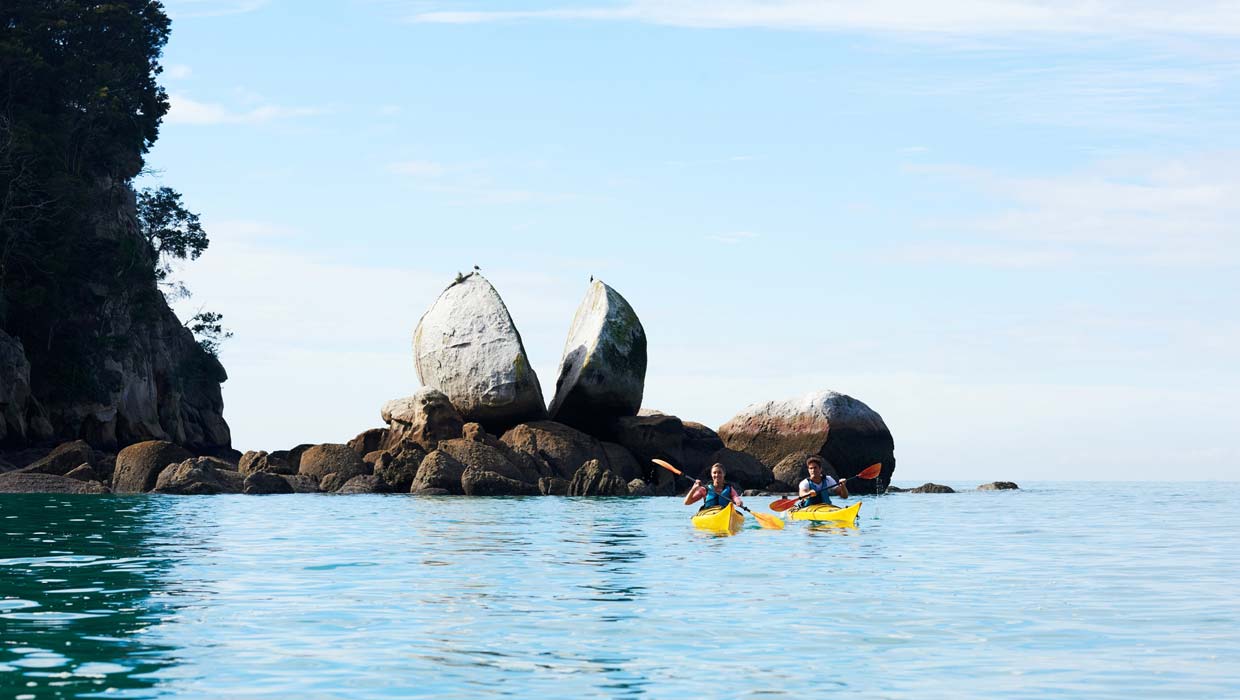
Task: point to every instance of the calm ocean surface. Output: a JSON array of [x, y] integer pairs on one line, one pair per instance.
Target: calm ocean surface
[[1081, 590]]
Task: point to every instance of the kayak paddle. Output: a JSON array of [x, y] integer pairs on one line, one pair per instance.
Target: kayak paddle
[[786, 503], [767, 521]]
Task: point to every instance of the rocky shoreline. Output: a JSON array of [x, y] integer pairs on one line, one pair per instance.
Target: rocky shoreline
[[480, 427]]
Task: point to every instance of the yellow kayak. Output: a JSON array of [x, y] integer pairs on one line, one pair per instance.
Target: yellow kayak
[[821, 512], [719, 519]]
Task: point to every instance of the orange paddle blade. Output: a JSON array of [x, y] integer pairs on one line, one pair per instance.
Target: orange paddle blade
[[869, 472], [769, 522], [667, 466], [783, 504]]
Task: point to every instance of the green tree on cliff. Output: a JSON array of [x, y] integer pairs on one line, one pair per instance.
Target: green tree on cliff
[[80, 106]]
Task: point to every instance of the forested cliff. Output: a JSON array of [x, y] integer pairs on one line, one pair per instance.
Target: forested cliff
[[89, 347]]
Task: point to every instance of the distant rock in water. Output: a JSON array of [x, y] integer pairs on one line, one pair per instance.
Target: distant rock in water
[[930, 488], [848, 434], [467, 346], [998, 486], [603, 368]]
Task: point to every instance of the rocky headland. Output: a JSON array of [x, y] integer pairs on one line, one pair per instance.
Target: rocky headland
[[479, 426]]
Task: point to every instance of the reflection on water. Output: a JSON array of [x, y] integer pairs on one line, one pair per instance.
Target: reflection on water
[[1000, 595], [78, 594]]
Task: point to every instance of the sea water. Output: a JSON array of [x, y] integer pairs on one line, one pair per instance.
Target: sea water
[[1064, 590]]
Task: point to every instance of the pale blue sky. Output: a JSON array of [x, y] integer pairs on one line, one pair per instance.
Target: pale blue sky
[[1010, 228]]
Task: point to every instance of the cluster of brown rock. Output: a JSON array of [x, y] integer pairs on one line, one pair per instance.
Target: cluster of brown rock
[[481, 427]]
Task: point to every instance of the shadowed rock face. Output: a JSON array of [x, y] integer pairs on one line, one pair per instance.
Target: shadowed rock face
[[603, 369], [467, 346], [847, 433]]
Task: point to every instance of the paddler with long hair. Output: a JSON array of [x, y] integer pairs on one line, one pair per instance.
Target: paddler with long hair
[[819, 487], [717, 493]]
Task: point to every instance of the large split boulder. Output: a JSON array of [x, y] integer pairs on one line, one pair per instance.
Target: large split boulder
[[603, 368], [424, 418], [138, 466], [558, 449], [844, 431], [467, 346]]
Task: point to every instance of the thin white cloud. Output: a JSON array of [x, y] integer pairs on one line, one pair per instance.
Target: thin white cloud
[[188, 111], [976, 17], [1136, 211]]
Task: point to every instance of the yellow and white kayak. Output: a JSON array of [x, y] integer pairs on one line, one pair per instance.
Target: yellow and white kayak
[[719, 519], [821, 512]]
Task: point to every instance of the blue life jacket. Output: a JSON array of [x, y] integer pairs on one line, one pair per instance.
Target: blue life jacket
[[821, 494], [722, 498]]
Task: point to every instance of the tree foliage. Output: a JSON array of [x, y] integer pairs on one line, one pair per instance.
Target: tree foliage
[[172, 231], [80, 106]]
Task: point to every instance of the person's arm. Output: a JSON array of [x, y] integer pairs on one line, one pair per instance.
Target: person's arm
[[696, 493], [736, 497], [804, 489], [840, 489]]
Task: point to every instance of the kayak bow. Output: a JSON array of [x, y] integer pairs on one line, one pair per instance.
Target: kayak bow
[[723, 519], [822, 512]]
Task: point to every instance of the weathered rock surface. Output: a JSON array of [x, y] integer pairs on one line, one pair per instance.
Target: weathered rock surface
[[63, 459], [925, 488], [553, 486], [439, 471], [22, 419], [742, 469], [262, 482], [363, 483], [637, 487], [424, 418], [300, 483], [331, 458], [369, 441], [998, 486], [847, 433], [398, 466], [83, 472], [593, 479], [25, 482], [621, 462], [138, 466], [467, 346], [603, 369], [293, 456], [557, 449], [200, 476], [790, 470], [488, 458], [261, 461], [480, 482], [656, 436]]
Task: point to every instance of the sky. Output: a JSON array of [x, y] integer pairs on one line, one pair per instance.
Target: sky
[[1010, 228]]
